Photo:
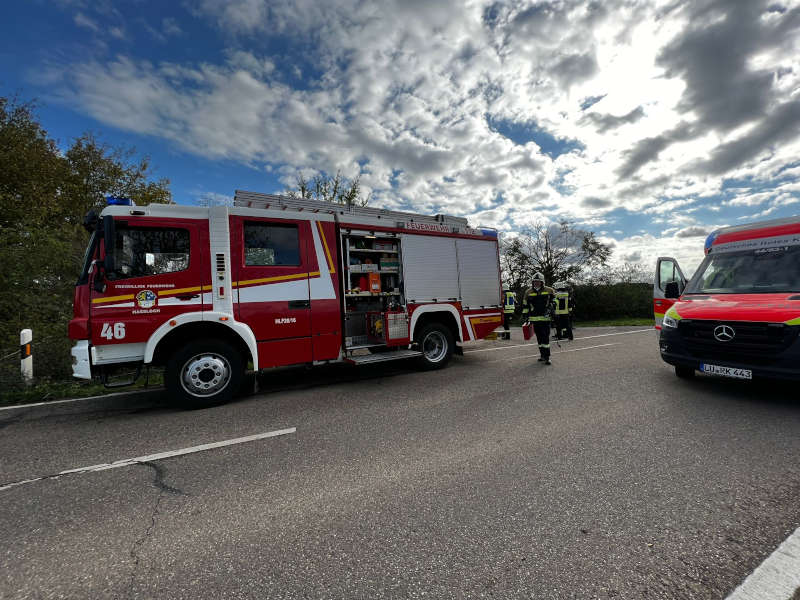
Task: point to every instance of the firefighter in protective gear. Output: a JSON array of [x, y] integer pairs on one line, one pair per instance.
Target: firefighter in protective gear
[[563, 312], [509, 304], [537, 308]]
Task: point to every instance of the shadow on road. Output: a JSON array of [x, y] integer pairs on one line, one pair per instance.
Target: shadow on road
[[758, 391]]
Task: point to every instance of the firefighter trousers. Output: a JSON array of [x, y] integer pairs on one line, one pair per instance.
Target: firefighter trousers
[[506, 320], [563, 327], [542, 331]]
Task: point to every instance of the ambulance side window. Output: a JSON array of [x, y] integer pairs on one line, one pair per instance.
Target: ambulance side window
[[667, 274], [141, 252], [268, 244]]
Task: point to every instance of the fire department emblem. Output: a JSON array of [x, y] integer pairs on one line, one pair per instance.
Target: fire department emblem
[[146, 299]]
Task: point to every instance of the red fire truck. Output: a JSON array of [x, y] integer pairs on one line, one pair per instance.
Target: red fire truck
[[210, 292], [739, 315]]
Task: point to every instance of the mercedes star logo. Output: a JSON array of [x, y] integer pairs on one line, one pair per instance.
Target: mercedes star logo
[[724, 333]]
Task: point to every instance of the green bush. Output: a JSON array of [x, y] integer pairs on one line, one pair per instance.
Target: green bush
[[614, 301]]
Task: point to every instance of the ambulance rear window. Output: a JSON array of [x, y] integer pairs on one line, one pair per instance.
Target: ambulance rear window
[[268, 244]]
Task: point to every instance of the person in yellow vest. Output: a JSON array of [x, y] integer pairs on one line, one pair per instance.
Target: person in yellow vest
[[509, 305], [563, 312], [537, 308]]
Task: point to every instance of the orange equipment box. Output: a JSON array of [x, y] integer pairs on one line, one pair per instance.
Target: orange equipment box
[[375, 283]]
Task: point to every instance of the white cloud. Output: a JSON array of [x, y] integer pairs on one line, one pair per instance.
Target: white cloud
[[81, 20], [401, 93]]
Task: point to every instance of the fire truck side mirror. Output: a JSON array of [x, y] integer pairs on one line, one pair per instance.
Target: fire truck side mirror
[[110, 238], [90, 221], [97, 277]]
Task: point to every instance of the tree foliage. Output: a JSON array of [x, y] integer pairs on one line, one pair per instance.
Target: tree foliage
[[628, 272], [336, 190], [44, 195], [561, 252]]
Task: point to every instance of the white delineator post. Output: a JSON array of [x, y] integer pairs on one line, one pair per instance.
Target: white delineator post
[[26, 355]]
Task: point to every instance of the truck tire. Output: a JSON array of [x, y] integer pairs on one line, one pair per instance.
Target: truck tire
[[203, 373], [436, 343], [684, 372]]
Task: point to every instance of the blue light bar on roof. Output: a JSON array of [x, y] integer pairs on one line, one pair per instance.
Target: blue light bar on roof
[[489, 232], [710, 240], [114, 201]]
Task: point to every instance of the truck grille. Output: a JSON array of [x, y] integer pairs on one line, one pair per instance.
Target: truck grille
[[754, 343]]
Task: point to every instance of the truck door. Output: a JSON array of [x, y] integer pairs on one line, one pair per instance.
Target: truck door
[[667, 271], [271, 263], [160, 266]]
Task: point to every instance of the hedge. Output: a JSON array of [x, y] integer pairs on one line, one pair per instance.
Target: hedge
[[618, 300]]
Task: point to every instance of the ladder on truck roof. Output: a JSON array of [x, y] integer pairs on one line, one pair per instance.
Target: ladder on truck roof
[[245, 199]]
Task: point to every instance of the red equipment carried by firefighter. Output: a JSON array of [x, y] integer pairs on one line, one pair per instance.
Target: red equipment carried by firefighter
[[208, 292]]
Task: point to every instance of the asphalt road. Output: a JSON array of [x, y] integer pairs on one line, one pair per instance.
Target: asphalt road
[[601, 476]]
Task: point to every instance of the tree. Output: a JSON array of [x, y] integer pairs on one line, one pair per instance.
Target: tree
[[560, 252], [628, 272], [44, 195], [336, 190], [515, 265]]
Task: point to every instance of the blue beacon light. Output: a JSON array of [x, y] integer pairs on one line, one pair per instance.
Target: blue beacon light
[[114, 201]]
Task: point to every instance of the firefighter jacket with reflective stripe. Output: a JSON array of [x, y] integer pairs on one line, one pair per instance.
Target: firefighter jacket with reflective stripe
[[509, 301], [537, 304], [562, 303]]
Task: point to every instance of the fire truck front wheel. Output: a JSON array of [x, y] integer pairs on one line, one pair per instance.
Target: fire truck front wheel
[[436, 343], [204, 373]]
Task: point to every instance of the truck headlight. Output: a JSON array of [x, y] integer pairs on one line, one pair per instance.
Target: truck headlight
[[670, 323]]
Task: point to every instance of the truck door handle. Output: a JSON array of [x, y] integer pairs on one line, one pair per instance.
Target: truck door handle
[[188, 296], [298, 304]]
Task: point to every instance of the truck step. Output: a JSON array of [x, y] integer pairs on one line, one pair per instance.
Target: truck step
[[368, 359]]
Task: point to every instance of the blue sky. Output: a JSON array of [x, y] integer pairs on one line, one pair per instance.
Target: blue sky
[[649, 122]]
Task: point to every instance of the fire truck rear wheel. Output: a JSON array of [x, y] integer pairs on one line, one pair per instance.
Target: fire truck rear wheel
[[204, 373], [435, 341]]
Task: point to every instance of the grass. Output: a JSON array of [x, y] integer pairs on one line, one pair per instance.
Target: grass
[[44, 389]]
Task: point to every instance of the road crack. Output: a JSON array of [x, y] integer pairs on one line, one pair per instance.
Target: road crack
[[159, 473]]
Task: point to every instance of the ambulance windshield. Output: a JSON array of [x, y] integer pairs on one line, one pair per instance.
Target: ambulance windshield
[[761, 271]]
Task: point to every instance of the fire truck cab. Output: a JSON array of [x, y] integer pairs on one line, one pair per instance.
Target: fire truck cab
[[210, 292], [739, 315]]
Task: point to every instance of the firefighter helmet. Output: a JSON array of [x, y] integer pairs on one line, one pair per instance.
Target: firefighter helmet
[[538, 277]]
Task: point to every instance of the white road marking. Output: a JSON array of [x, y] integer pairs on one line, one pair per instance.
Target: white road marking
[[554, 353], [127, 462], [103, 397], [533, 342], [777, 577]]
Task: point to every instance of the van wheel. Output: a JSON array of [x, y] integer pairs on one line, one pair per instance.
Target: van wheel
[[435, 341], [204, 373], [684, 372]]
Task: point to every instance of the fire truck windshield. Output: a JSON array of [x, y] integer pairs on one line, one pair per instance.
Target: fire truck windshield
[[761, 271]]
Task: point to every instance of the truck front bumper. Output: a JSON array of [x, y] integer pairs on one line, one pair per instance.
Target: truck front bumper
[[81, 365]]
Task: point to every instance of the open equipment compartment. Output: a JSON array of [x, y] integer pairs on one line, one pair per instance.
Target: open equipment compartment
[[375, 311]]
